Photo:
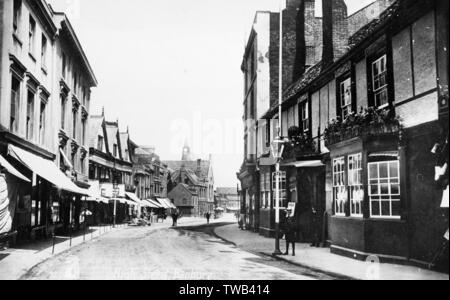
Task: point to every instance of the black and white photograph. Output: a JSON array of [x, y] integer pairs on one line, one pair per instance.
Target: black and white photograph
[[224, 144]]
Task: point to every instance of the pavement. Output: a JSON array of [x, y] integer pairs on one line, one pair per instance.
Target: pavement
[[161, 253], [322, 260]]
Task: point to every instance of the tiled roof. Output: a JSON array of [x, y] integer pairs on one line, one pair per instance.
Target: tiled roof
[[95, 125], [310, 75], [124, 146], [112, 130], [190, 165]]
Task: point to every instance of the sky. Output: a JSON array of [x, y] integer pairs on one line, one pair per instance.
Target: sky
[[170, 71]]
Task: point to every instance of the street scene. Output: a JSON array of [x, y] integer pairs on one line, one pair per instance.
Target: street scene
[[268, 140]]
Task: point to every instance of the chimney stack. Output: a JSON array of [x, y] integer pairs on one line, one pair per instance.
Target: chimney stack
[[300, 53], [199, 168], [335, 30]]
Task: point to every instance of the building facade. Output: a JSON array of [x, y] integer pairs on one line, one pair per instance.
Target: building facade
[[360, 167], [31, 82], [228, 199], [198, 175]]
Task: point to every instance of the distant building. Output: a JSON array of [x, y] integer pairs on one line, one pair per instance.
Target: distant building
[[185, 199], [228, 199], [198, 175]]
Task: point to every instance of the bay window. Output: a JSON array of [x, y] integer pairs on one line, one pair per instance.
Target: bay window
[[355, 184], [339, 187], [384, 189]]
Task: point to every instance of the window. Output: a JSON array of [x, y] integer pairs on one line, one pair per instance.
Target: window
[[82, 165], [100, 141], [64, 65], [31, 35], [304, 110], [30, 117], [15, 105], [83, 132], [339, 188], [379, 81], [282, 188], [63, 111], [42, 120], [355, 184], [75, 83], [73, 159], [16, 16], [44, 52], [384, 189], [55, 212], [115, 150], [74, 124], [345, 95]]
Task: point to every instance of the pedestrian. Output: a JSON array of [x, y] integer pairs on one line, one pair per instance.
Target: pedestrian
[[290, 232], [175, 219], [316, 228], [208, 217]]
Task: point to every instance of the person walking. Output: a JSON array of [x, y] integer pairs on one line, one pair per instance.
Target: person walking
[[208, 217], [290, 233], [175, 219]]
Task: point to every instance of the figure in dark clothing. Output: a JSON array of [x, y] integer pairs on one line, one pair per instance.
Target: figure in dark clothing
[[290, 232], [315, 228], [208, 217], [175, 219]]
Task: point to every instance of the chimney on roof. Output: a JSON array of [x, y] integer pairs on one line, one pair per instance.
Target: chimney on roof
[[335, 30], [300, 53]]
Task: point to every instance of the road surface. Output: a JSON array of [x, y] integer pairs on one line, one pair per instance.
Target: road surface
[[137, 253]]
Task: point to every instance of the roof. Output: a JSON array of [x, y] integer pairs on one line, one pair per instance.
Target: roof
[[112, 129], [95, 124], [124, 137], [227, 191], [190, 165]]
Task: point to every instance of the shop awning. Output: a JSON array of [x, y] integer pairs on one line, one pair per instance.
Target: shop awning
[[304, 164], [11, 170], [166, 203], [133, 197], [154, 204], [46, 169]]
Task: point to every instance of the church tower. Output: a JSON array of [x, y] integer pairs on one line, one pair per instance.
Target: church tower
[[186, 156]]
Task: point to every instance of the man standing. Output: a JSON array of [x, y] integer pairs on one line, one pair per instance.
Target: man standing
[[208, 217]]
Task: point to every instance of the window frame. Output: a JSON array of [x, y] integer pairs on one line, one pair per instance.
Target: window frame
[[384, 74], [32, 36], [15, 101], [359, 186], [340, 188], [380, 195], [304, 116], [17, 16], [345, 107], [44, 51], [29, 129]]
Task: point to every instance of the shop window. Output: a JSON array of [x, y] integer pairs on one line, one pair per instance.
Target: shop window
[[282, 188], [340, 195], [380, 83], [55, 212], [355, 185], [345, 96], [384, 189]]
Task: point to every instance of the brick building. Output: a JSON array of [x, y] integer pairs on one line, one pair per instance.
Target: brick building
[[360, 166]]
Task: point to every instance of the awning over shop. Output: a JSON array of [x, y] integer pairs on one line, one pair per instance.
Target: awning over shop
[[166, 203], [94, 193], [154, 204], [11, 170], [46, 169], [134, 198], [304, 164]]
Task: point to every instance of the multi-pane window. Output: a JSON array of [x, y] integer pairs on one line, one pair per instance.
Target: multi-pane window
[[304, 111], [339, 187], [32, 35], [44, 52], [345, 94], [63, 111], [379, 81], [15, 105], [42, 119], [355, 184], [30, 117], [384, 189], [16, 16], [281, 176]]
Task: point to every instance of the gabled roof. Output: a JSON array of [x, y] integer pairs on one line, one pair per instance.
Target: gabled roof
[[95, 125], [124, 138], [190, 165], [112, 130]]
